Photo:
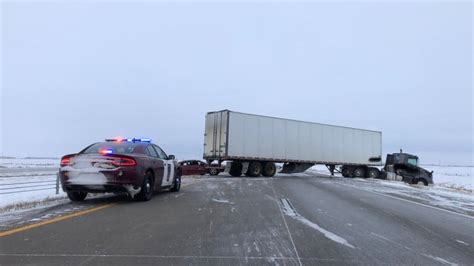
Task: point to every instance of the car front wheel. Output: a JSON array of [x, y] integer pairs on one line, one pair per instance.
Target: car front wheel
[[176, 184], [76, 195]]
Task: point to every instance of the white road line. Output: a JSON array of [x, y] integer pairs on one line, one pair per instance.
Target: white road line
[[286, 225], [413, 202]]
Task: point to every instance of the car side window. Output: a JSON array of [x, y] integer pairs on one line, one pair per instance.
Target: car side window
[[161, 153], [151, 152]]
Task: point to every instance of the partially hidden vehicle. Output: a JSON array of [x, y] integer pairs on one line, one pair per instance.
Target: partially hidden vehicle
[[252, 144], [131, 165], [193, 167]]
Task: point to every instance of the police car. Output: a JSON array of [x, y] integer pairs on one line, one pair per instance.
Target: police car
[[135, 166]]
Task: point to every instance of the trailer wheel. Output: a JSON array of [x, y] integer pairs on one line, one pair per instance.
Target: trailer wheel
[[373, 172], [346, 171], [269, 169], [235, 169], [359, 172], [255, 169]]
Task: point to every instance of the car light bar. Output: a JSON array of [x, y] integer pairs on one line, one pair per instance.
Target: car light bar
[[106, 151], [129, 140]]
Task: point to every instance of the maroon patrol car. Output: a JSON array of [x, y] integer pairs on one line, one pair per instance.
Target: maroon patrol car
[[135, 166]]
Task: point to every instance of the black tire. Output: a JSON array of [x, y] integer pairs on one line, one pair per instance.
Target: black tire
[[373, 173], [213, 171], [176, 184], [359, 172], [421, 181], [346, 171], [76, 195], [236, 169], [255, 169], [146, 192], [269, 169]]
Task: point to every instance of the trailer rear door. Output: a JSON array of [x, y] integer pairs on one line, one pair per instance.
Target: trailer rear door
[[215, 136]]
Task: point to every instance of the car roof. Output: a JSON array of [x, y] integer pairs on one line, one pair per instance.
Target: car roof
[[140, 145]]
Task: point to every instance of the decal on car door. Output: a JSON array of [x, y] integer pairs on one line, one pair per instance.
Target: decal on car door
[[168, 173]]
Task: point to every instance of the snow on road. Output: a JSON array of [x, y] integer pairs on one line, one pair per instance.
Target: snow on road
[[453, 193], [26, 183]]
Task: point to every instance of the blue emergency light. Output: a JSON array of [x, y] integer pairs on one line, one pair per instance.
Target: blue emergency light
[[129, 140]]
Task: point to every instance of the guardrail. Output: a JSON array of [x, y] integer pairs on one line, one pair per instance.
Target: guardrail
[[28, 186]]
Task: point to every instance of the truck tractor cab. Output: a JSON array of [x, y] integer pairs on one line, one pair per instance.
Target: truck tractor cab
[[405, 166]]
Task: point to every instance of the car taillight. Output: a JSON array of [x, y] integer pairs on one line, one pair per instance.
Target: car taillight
[[65, 161], [120, 161]]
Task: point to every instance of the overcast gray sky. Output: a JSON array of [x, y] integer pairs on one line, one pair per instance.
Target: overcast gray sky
[[76, 73]]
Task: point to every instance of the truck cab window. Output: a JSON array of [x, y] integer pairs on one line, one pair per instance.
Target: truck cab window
[[413, 161]]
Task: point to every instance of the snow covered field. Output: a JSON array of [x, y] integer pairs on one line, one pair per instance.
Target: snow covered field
[[28, 162], [454, 177], [28, 189]]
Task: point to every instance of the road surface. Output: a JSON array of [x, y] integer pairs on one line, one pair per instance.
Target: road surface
[[286, 220]]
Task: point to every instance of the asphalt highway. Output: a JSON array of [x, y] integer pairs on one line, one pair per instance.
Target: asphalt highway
[[285, 220]]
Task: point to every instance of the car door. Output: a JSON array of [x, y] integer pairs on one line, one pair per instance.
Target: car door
[[193, 168], [168, 174], [157, 164], [184, 168], [202, 168]]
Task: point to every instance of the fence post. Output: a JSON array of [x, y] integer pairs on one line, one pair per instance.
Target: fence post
[[57, 183]]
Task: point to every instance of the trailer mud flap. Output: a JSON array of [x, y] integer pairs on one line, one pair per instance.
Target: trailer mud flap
[[293, 168]]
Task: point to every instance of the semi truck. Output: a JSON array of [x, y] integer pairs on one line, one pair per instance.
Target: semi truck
[[253, 144]]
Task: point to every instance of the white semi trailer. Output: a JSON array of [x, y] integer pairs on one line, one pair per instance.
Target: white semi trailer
[[252, 144]]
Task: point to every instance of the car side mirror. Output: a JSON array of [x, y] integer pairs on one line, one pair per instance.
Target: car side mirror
[[171, 157]]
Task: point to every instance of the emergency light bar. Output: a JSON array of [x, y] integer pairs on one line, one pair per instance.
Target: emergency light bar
[[128, 140]]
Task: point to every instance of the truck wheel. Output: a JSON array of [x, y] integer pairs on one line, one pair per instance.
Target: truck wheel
[[269, 169], [346, 171], [213, 171], [359, 172], [235, 169], [146, 192], [421, 182], [76, 195], [373, 172], [255, 169]]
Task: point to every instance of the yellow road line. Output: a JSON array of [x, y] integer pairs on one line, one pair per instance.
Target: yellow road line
[[61, 218], [54, 220]]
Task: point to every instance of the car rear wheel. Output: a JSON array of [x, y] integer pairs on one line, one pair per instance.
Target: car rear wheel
[[213, 171], [176, 184], [76, 195], [269, 169], [146, 192]]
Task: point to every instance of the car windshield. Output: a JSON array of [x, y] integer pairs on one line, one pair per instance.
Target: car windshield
[[113, 147]]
